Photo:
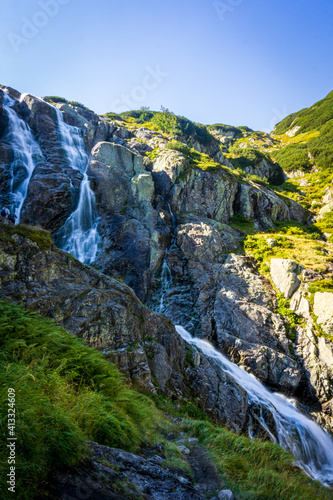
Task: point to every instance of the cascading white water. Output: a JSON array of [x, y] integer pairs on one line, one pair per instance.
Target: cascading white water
[[26, 153], [311, 446], [166, 276], [79, 235]]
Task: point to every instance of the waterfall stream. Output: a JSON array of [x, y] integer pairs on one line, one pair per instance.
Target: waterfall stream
[[26, 154], [79, 235], [311, 446], [166, 276]]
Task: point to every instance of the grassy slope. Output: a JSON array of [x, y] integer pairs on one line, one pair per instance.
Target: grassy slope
[[67, 393], [312, 143]]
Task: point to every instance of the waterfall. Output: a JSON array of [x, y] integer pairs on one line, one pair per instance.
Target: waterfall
[[166, 276], [27, 154], [79, 235], [311, 446]]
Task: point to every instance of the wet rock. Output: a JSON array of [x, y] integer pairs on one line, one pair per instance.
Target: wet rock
[[54, 186], [183, 450], [225, 495]]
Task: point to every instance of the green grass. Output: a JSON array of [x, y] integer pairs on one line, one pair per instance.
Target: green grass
[[321, 286], [38, 235], [312, 118], [325, 225], [178, 146], [294, 157], [65, 393], [242, 224], [56, 99], [294, 241], [291, 320], [312, 143], [256, 470]]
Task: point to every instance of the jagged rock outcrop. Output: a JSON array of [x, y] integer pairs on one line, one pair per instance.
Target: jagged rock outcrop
[[257, 202], [108, 315], [209, 194], [232, 301], [134, 234], [315, 353], [167, 167]]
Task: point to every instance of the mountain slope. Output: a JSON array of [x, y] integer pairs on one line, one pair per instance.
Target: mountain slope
[[196, 228]]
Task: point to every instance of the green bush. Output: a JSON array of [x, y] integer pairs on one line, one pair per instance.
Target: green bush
[[294, 157], [178, 146], [113, 116], [56, 99], [140, 116], [166, 121], [177, 126]]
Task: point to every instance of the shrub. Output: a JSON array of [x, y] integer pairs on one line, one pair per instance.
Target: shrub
[[179, 146], [294, 157]]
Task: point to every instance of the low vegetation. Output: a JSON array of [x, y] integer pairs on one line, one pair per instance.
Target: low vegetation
[[40, 236], [256, 470], [62, 100], [65, 393], [293, 241], [312, 118]]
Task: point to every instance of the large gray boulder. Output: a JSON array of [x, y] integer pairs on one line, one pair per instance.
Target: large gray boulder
[[284, 275], [323, 309], [209, 194], [116, 155], [257, 202]]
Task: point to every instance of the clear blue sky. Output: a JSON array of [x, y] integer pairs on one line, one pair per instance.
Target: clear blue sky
[[240, 62]]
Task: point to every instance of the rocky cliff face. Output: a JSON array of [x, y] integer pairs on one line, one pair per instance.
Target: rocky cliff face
[[168, 243], [108, 315]]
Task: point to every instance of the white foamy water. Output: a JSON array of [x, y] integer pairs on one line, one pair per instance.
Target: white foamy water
[[27, 154], [311, 446], [79, 235]]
